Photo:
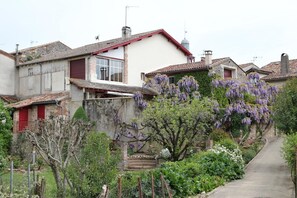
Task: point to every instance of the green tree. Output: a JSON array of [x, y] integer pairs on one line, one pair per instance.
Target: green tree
[[285, 108], [5, 129], [95, 167], [178, 125]]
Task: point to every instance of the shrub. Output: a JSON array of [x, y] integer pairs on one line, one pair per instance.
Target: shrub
[[248, 155], [222, 162], [289, 149], [218, 134], [97, 166], [80, 114], [228, 143]]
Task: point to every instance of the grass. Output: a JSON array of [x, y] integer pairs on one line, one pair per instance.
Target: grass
[[20, 181]]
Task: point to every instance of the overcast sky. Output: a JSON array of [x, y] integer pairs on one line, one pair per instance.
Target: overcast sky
[[240, 29]]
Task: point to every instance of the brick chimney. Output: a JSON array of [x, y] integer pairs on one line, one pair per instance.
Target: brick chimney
[[284, 64], [126, 32], [208, 57]]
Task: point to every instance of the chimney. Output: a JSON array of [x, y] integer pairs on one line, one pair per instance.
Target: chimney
[[126, 32], [284, 64], [186, 44], [208, 57]]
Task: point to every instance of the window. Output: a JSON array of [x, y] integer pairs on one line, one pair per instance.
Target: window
[[109, 69], [227, 73], [171, 80]]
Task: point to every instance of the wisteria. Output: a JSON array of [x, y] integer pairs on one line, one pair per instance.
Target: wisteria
[[140, 102], [249, 99]]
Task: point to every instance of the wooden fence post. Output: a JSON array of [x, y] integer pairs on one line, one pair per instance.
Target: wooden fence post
[[153, 190], [29, 182], [295, 175], [11, 179], [139, 187], [162, 185], [119, 187], [167, 187]]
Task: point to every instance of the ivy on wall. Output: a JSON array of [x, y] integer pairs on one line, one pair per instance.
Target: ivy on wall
[[203, 79]]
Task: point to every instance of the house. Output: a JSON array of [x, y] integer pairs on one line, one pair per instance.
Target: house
[[251, 67], [225, 68], [280, 70], [104, 69], [7, 74]]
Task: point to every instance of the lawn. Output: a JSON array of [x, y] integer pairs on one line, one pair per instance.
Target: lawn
[[20, 181]]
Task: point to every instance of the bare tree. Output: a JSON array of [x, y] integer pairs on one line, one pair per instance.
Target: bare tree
[[58, 140]]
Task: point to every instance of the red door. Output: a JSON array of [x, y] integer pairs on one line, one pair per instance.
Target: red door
[[77, 69], [40, 112], [23, 119]]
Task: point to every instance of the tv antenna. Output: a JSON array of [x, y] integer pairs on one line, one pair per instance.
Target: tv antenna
[[255, 58], [126, 12], [97, 37]]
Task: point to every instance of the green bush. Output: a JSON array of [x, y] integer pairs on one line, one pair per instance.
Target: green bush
[[289, 149], [228, 143], [80, 114], [248, 155], [222, 162], [218, 134], [97, 166]]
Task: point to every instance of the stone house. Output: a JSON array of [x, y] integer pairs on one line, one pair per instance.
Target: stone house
[[226, 68], [280, 70], [7, 75], [107, 69], [251, 67]]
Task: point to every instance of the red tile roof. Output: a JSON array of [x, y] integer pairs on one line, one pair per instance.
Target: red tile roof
[[9, 99], [41, 99], [275, 68], [101, 87], [186, 67], [104, 46]]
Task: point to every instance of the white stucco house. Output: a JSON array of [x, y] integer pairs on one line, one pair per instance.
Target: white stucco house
[[99, 70], [7, 74]]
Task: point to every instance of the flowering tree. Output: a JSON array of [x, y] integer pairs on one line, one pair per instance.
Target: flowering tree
[[248, 102], [178, 117]]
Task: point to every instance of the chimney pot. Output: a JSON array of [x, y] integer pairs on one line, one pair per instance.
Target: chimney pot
[[208, 57], [126, 32], [284, 64]]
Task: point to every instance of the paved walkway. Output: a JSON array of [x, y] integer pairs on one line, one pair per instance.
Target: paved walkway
[[267, 176]]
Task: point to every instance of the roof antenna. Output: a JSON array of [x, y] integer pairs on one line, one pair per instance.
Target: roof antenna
[[97, 37], [126, 12]]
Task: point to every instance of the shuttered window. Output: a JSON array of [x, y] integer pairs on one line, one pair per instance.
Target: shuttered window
[[40, 112], [227, 73], [23, 119], [77, 69]]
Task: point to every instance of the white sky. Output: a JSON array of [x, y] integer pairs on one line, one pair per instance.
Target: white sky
[[240, 29]]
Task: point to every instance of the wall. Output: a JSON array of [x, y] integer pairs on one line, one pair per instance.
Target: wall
[[7, 75], [42, 78], [108, 110], [237, 74], [151, 54]]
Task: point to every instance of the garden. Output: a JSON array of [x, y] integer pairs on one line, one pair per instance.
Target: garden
[[203, 142]]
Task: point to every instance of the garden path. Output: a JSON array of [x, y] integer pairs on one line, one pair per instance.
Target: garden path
[[267, 176]]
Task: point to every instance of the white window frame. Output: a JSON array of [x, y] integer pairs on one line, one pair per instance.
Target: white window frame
[[233, 69], [112, 67]]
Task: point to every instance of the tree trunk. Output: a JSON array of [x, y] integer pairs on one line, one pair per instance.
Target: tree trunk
[[59, 182]]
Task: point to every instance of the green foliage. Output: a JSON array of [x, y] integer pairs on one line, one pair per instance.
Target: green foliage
[[97, 166], [178, 125], [219, 94], [5, 129], [289, 149], [285, 108], [228, 143], [80, 114], [203, 79], [218, 134], [236, 127], [221, 162]]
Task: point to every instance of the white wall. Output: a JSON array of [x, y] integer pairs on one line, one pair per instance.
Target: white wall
[[151, 54], [7, 75]]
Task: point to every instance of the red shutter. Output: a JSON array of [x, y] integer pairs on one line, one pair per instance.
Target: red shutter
[[23, 118], [77, 69], [41, 112], [227, 73]]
